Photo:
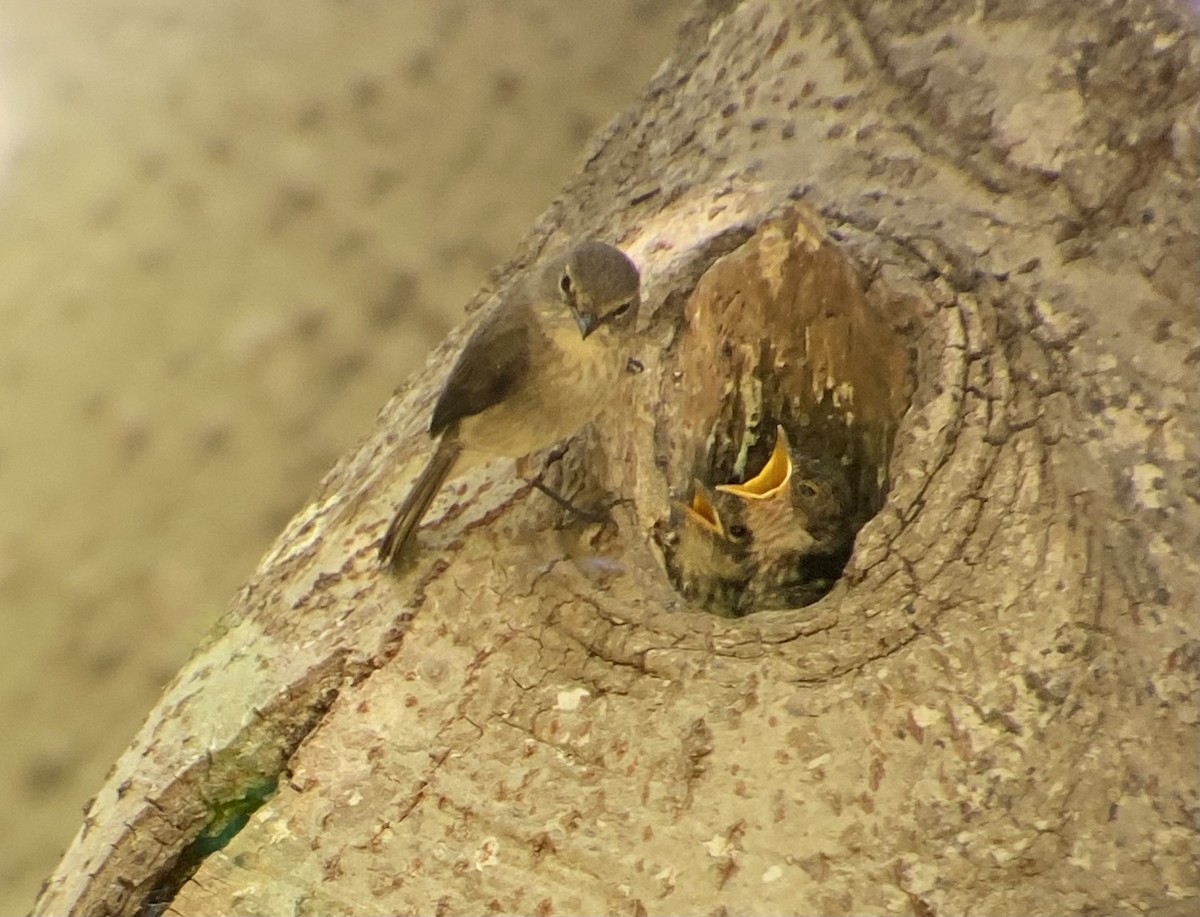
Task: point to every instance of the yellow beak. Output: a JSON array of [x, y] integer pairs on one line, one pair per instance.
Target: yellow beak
[[702, 510], [772, 479]]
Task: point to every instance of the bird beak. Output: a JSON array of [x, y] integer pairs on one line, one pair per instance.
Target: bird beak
[[586, 321], [774, 475], [702, 511]]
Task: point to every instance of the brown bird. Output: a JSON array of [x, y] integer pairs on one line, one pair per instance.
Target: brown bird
[[534, 371], [779, 540], [795, 517], [709, 565]]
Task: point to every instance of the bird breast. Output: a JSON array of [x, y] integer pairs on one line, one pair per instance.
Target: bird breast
[[563, 389]]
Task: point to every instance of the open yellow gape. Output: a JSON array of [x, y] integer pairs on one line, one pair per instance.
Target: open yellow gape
[[772, 479], [703, 511]]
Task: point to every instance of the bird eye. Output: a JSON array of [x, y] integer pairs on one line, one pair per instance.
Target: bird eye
[[807, 489], [621, 309], [564, 283], [738, 531]]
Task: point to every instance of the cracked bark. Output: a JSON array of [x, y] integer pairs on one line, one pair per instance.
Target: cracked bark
[[994, 710]]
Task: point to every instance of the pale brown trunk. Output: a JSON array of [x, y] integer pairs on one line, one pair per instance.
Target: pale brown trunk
[[977, 225]]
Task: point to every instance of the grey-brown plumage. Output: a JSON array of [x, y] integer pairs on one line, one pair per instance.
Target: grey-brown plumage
[[778, 540], [531, 374], [710, 566], [794, 517]]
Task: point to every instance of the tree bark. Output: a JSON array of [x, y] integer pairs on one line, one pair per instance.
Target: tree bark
[[964, 238]]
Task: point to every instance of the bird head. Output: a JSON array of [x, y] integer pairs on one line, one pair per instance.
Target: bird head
[[709, 565], [599, 285]]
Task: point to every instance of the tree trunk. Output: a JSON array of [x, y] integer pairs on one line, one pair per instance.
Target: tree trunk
[[959, 240]]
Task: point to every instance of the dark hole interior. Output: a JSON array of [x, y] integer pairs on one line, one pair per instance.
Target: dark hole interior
[[779, 333]]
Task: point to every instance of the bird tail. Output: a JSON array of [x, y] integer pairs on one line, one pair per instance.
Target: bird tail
[[412, 510]]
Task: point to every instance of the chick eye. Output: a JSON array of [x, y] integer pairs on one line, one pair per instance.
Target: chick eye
[[738, 531], [621, 309], [564, 283], [807, 489]]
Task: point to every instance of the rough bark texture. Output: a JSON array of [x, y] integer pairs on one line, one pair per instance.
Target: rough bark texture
[[993, 712]]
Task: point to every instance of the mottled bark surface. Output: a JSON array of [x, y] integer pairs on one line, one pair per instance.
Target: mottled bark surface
[[993, 712]]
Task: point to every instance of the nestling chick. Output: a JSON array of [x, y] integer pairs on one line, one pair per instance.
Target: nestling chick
[[795, 517], [709, 566], [779, 540]]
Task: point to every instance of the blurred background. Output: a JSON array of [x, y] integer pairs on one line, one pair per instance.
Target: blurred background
[[227, 232]]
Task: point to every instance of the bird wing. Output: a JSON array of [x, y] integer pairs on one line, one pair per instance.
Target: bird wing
[[490, 367]]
